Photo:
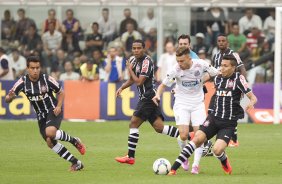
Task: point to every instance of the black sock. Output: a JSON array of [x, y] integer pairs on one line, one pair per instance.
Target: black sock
[[132, 142], [63, 136], [64, 153], [171, 131], [184, 155], [222, 158]]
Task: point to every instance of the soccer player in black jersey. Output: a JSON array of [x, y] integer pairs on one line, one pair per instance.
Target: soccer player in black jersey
[[141, 70], [39, 88], [222, 121]]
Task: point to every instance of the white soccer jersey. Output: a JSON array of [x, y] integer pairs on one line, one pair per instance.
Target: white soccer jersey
[[189, 82]]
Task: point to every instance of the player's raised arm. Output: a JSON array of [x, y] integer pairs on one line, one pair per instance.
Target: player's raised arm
[[10, 96], [18, 86], [125, 85]]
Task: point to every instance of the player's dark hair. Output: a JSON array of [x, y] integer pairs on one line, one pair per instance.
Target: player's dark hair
[[184, 36], [139, 41], [231, 58], [95, 23], [32, 58], [182, 51]]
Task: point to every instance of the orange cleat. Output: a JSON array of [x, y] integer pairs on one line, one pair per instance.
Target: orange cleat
[[77, 167], [233, 144], [80, 146], [227, 168], [172, 173], [125, 160]]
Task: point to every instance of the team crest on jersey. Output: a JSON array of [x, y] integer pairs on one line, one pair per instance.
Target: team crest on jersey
[[230, 84], [43, 89], [197, 73]]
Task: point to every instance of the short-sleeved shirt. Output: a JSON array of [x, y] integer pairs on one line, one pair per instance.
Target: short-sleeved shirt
[[39, 93], [235, 42], [144, 67], [228, 95], [219, 55], [189, 84]]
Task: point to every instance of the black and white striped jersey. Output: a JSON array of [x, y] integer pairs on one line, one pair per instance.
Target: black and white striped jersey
[[39, 93], [145, 67], [228, 95], [219, 55]]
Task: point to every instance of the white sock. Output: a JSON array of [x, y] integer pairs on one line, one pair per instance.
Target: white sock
[[181, 143], [198, 155]]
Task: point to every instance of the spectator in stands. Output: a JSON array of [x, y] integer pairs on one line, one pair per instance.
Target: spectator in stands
[[237, 42], [51, 18], [6, 72], [23, 24], [166, 61], [76, 64], [128, 19], [57, 66], [114, 66], [8, 28], [107, 26], [151, 42], [70, 44], [69, 74], [216, 23], [18, 63], [52, 41], [255, 44], [31, 42], [200, 43], [89, 71], [203, 55], [71, 24], [129, 37], [148, 23], [94, 41], [269, 27], [250, 20]]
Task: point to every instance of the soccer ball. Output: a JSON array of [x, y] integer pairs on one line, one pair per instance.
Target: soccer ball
[[161, 166]]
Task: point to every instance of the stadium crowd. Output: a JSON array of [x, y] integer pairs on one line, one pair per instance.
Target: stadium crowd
[[68, 53]]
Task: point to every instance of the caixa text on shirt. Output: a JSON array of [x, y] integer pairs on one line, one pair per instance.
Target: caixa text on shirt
[[38, 97], [223, 93]]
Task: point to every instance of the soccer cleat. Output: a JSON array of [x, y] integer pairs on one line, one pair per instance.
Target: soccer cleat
[[172, 173], [77, 167], [207, 149], [227, 167], [195, 169], [125, 160], [185, 165], [80, 146], [233, 144]]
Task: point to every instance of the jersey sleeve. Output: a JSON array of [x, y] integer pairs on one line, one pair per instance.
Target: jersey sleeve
[[54, 85], [243, 85], [170, 78], [146, 68], [239, 61], [212, 71], [18, 86]]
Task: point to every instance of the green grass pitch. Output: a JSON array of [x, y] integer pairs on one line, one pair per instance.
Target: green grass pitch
[[25, 158]]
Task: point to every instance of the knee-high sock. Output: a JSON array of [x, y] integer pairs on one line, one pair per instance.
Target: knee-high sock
[[62, 151], [63, 136], [198, 155], [222, 158], [184, 155], [132, 141], [171, 131]]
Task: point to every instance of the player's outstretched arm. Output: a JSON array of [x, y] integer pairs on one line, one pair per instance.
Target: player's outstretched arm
[[125, 85], [156, 99], [253, 101], [10, 96], [60, 98]]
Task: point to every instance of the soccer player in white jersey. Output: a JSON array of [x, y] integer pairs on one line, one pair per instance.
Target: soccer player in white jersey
[[189, 104]]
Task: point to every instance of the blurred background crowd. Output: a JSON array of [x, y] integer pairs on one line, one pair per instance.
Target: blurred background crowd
[[70, 50]]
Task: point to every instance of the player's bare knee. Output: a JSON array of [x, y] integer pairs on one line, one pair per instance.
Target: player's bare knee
[[183, 136], [217, 151]]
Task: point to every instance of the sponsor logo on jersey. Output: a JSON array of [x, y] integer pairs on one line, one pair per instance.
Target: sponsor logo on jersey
[[190, 83], [38, 97], [223, 93], [145, 66]]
